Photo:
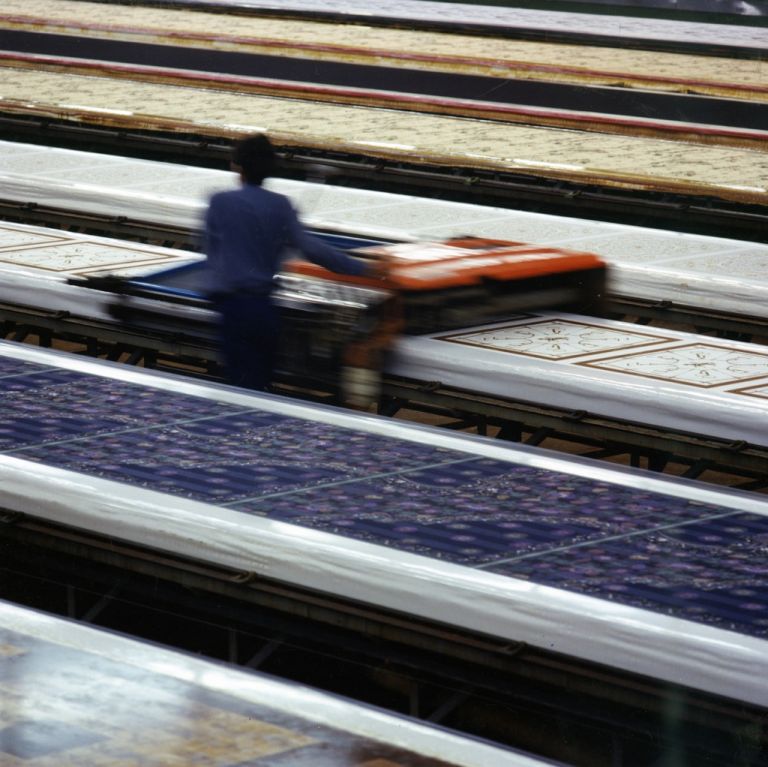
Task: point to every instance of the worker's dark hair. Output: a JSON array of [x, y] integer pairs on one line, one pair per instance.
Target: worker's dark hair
[[254, 158]]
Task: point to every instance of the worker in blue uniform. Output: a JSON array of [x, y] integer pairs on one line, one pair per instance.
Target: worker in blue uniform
[[247, 233]]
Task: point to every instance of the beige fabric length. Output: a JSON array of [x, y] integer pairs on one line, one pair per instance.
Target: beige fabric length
[[747, 79], [635, 162]]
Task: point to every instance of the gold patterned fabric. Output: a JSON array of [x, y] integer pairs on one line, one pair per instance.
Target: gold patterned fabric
[[738, 78], [731, 173]]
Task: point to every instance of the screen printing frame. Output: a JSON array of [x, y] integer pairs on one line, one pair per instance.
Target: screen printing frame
[[702, 657]]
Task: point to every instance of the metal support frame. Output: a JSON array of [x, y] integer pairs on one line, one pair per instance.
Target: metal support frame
[[154, 349], [706, 321], [454, 675], [610, 437], [454, 701], [266, 652]]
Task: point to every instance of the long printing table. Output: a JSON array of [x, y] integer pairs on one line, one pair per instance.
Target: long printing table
[[708, 280], [427, 146], [514, 21], [74, 695], [657, 377], [664, 379], [629, 90], [621, 568]]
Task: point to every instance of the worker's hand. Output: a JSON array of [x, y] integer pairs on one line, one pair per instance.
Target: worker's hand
[[379, 269]]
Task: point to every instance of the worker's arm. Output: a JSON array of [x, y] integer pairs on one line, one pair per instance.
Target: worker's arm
[[319, 252]]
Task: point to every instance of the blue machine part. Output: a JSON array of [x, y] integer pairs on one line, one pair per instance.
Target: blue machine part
[[186, 281]]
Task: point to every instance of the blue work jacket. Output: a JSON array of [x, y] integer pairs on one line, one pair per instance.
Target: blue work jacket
[[247, 234]]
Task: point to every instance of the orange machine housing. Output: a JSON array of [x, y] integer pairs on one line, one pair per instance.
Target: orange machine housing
[[469, 280], [462, 282]]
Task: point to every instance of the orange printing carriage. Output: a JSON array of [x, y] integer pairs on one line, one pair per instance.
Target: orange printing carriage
[[461, 282], [528, 276]]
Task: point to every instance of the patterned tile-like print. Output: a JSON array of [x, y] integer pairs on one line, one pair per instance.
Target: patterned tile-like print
[[512, 225], [713, 571], [54, 405], [11, 367], [61, 707], [47, 161], [749, 262], [77, 256], [407, 216], [755, 391], [555, 339], [694, 364], [440, 503], [66, 253], [144, 173], [11, 237], [652, 247], [94, 169]]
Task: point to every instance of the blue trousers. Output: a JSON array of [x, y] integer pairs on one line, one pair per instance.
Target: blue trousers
[[249, 330]]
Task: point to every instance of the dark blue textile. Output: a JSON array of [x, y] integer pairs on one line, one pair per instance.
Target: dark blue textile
[[249, 329]]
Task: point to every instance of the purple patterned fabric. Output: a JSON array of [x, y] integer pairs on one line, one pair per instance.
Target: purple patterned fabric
[[663, 553]]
